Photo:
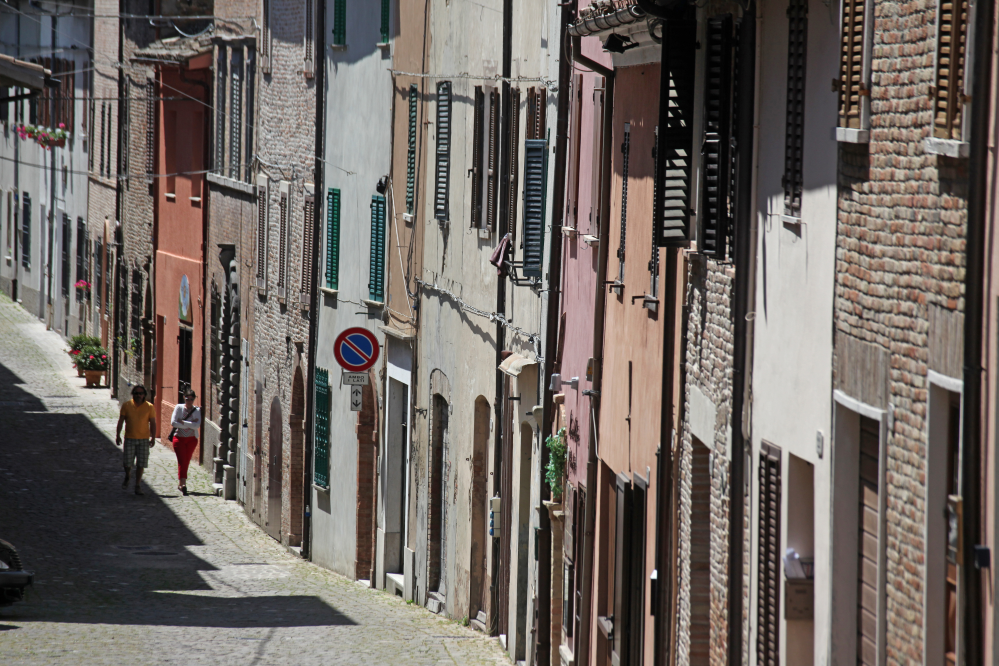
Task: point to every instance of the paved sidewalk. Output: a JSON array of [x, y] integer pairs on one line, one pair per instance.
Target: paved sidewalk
[[164, 579]]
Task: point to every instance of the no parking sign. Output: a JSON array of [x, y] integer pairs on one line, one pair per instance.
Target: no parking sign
[[356, 349]]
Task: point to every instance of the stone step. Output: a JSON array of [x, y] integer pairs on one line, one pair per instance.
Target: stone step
[[395, 583]]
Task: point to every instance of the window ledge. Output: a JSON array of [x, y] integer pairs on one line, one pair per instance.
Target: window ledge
[[850, 135], [372, 304], [231, 183], [790, 219], [328, 291], [338, 47], [591, 240], [946, 147], [384, 45], [396, 333], [171, 196], [322, 489]]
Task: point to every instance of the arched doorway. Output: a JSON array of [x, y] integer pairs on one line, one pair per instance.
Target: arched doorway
[[296, 461], [275, 466]]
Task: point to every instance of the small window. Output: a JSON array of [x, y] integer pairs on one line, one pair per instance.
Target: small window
[[339, 22]]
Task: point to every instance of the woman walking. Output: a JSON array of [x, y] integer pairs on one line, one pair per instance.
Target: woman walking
[[186, 422]]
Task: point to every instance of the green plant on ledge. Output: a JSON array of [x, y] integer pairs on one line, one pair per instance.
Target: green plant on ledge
[[93, 358], [555, 471]]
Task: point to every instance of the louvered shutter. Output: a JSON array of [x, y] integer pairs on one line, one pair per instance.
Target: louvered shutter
[[386, 21], [104, 111], [654, 260], [261, 241], [575, 124], [511, 167], [596, 167], [266, 43], [26, 231], [715, 150], [794, 132], [475, 219], [869, 548], [81, 249], [491, 148], [220, 81], [620, 642], [67, 243], [151, 126], [376, 276], [309, 45], [235, 113], [332, 239], [952, 39], [851, 71], [340, 22], [769, 562], [535, 193], [625, 155], [321, 474], [309, 216], [672, 208], [282, 281], [216, 307], [98, 273], [414, 97], [251, 77], [443, 171]]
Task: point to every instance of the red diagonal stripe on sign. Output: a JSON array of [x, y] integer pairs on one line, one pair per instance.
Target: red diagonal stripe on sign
[[350, 344]]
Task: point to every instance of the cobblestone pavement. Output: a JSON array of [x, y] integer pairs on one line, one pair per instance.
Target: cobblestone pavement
[[164, 579]]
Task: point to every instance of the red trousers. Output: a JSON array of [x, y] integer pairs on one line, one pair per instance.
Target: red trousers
[[184, 448]]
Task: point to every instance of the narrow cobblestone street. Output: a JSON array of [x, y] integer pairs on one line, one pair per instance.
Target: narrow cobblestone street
[[162, 578]]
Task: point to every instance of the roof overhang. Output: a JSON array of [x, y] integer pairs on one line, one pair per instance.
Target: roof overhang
[[14, 72]]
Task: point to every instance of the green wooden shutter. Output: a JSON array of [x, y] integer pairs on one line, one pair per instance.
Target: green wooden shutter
[[332, 239], [322, 447], [535, 192], [414, 95], [443, 171], [340, 22], [386, 21], [717, 138], [676, 134], [376, 278]]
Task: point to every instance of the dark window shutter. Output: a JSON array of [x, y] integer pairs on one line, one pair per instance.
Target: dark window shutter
[[262, 205], [386, 21], [414, 98], [332, 239], [869, 550], [98, 273], [67, 243], [151, 127], [104, 112], [475, 219], [26, 231], [321, 474], [715, 150], [491, 167], [251, 74], [215, 310], [672, 208], [623, 528], [376, 275], [309, 46], [91, 134], [625, 154], [536, 108], [851, 72], [654, 260], [951, 59], [443, 171], [135, 320], [535, 193], [282, 281], [220, 81], [309, 216], [597, 162], [511, 167], [769, 564], [265, 36], [340, 22], [235, 113], [794, 133], [636, 571], [108, 276]]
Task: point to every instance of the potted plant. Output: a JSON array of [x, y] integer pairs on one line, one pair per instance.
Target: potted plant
[[555, 471], [94, 361], [78, 342], [44, 136]]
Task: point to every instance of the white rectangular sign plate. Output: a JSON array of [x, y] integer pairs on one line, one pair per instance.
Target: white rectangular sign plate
[[355, 378]]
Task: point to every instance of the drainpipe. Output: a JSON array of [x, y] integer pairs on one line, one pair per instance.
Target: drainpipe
[[743, 253], [586, 603], [320, 60], [971, 469]]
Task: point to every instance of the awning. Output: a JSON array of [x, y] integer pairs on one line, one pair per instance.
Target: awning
[[14, 72], [515, 363]]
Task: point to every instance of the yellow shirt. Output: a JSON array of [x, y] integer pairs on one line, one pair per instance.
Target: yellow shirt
[[137, 419]]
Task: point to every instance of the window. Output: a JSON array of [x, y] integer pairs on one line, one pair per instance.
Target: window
[[716, 146], [235, 70], [376, 275], [26, 231], [386, 21], [332, 238], [261, 241], [794, 133], [251, 77], [309, 215], [674, 160], [235, 111], [475, 219], [282, 281], [950, 94], [108, 276], [485, 156], [67, 242], [123, 136], [309, 45], [215, 360], [321, 474], [339, 22], [769, 558], [136, 314], [414, 97], [854, 93], [443, 170], [627, 643], [535, 194]]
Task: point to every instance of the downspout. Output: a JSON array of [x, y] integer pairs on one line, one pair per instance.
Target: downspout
[[320, 60], [743, 270], [971, 485], [116, 317], [554, 311], [586, 603]]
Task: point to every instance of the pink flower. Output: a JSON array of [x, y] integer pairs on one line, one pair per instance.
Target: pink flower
[[103, 355], [62, 125], [91, 356]]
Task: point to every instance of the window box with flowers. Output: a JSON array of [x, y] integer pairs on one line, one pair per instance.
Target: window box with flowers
[[82, 290], [95, 362], [46, 137]]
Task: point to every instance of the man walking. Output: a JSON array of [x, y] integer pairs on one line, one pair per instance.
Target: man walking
[[139, 419]]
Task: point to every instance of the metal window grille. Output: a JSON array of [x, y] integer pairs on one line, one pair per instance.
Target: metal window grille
[[332, 238], [376, 276], [443, 171], [794, 133]]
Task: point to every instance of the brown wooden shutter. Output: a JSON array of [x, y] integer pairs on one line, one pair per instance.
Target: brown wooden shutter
[[307, 249], [869, 548], [575, 122], [475, 219], [150, 127], [514, 139], [596, 171], [491, 148], [952, 39], [794, 132], [261, 268], [283, 244], [769, 558], [851, 72]]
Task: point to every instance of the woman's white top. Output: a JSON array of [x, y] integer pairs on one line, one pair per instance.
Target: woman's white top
[[189, 427]]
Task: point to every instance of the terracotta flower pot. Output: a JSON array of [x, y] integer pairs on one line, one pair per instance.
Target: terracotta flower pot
[[79, 371], [94, 378]]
